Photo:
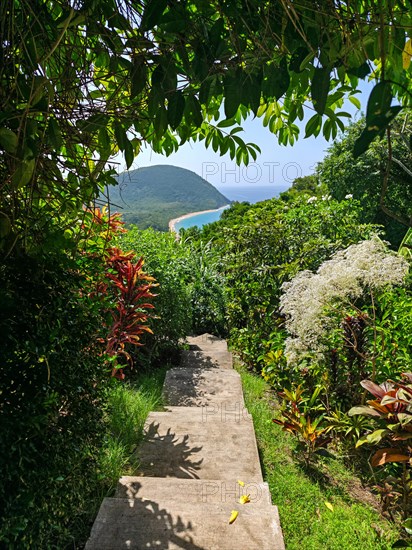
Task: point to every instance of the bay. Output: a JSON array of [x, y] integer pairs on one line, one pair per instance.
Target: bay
[[240, 193]]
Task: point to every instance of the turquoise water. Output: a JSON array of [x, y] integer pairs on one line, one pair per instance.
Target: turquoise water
[[200, 219], [250, 194]]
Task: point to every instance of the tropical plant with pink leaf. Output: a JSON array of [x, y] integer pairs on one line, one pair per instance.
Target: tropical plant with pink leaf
[[391, 410]]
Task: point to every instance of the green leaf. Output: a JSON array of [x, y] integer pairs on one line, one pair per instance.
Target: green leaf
[[233, 95], [173, 21], [313, 125], [120, 135], [276, 81], [379, 100], [374, 127], [355, 101], [23, 173], [376, 437], [407, 525], [54, 134], [251, 91], [175, 109], [226, 123], [297, 58], [401, 544], [152, 14], [193, 111], [5, 225], [138, 76], [320, 89], [128, 154], [104, 139], [160, 122], [361, 71], [8, 140]]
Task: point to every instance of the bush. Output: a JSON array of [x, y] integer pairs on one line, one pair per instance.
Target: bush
[[167, 261], [263, 245], [51, 378]]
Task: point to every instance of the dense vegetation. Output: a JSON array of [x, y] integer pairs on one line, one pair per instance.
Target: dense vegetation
[[320, 306], [151, 196], [380, 179], [81, 81]]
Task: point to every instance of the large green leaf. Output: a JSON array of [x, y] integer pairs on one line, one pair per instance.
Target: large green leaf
[[23, 173], [320, 89], [276, 80], [152, 14], [138, 76], [8, 140], [120, 135], [233, 94], [54, 134], [175, 109], [375, 126], [379, 101], [193, 111]]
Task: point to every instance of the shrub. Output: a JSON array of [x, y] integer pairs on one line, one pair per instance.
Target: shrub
[[167, 261]]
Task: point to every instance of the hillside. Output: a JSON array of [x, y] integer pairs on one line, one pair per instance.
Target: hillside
[[151, 196]]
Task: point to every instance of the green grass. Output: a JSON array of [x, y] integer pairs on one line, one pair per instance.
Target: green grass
[[301, 494], [127, 406], [129, 403]]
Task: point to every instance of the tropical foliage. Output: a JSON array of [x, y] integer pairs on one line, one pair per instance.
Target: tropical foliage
[[380, 179], [80, 82], [83, 81]]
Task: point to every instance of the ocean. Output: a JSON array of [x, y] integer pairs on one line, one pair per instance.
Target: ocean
[[199, 219], [250, 194]]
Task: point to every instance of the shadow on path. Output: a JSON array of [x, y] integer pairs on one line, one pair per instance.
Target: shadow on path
[[167, 455]]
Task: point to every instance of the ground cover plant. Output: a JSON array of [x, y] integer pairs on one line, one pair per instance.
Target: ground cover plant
[[323, 506]]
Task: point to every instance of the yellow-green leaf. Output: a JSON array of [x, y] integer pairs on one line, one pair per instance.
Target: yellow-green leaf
[[407, 55], [244, 499], [329, 506]]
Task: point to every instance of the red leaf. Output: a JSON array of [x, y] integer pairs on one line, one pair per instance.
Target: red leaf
[[373, 388], [384, 456]]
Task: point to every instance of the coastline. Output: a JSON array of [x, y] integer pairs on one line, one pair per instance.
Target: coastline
[[173, 222]]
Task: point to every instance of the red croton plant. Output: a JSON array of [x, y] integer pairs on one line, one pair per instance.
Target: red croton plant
[[392, 409], [128, 289]]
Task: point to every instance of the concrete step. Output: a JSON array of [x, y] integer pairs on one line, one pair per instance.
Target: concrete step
[[206, 342], [218, 446], [207, 359], [211, 491], [136, 524], [222, 412], [200, 387]]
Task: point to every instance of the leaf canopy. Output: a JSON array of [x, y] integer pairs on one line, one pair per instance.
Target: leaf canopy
[[81, 81]]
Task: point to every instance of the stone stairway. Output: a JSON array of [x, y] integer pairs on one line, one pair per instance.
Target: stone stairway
[[191, 459]]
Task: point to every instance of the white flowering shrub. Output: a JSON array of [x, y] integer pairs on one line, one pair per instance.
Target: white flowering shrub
[[309, 299]]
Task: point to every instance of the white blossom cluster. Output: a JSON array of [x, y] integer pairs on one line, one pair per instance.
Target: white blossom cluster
[[365, 266]]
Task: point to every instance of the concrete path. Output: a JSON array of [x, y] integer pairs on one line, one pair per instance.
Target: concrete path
[[193, 455]]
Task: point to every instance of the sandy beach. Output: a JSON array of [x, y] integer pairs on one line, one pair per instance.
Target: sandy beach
[[177, 220]]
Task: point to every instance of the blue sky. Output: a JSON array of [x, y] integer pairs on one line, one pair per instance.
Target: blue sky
[[277, 166]]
